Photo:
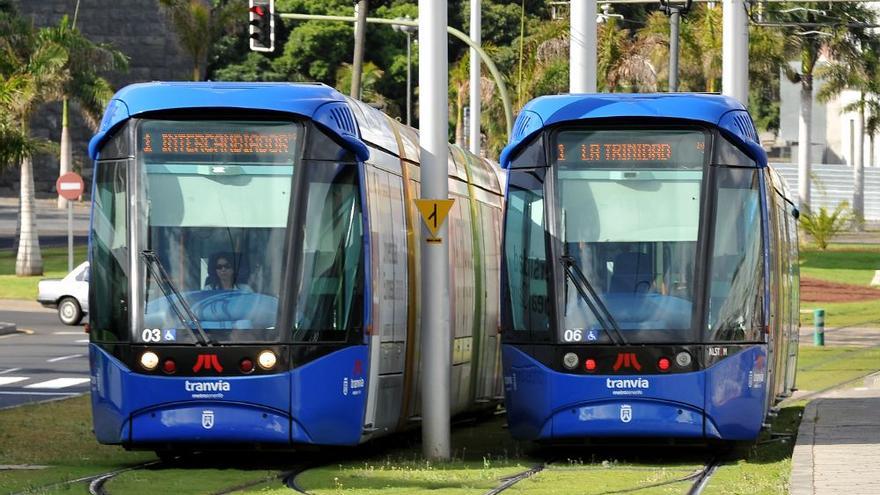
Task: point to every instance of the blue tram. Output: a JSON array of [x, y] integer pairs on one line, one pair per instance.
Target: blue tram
[[650, 270], [254, 251]]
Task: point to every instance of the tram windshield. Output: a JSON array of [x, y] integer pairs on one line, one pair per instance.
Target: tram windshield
[[214, 199], [628, 220]]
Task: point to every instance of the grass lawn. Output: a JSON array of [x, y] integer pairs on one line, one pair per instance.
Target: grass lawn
[[847, 264], [838, 314], [58, 435], [843, 263], [54, 266]]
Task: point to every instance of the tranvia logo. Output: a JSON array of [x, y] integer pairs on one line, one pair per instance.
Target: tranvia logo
[[626, 413], [207, 419], [218, 386], [627, 383]]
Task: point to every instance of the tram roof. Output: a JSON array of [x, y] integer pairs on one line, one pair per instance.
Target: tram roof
[[315, 101], [725, 112]]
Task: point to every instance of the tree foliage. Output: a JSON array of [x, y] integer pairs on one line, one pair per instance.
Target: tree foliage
[[633, 53]]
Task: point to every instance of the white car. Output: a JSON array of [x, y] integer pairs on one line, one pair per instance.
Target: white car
[[70, 294]]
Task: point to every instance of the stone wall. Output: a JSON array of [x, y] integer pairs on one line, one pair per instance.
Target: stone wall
[[136, 27]]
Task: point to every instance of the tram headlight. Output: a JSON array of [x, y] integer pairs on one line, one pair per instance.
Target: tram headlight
[[570, 360], [267, 360], [683, 359], [149, 360]]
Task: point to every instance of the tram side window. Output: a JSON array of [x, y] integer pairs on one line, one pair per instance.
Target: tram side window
[[793, 269], [526, 257], [736, 286], [108, 304], [330, 292]]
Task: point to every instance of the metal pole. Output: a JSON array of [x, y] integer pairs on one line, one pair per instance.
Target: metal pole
[[408, 79], [360, 28], [476, 37], [69, 236], [674, 17], [819, 327], [582, 51], [436, 349], [735, 51]]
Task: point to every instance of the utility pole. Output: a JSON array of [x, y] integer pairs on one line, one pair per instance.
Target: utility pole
[[674, 12], [360, 31], [582, 47], [476, 35], [65, 163], [408, 30], [436, 347], [735, 51]]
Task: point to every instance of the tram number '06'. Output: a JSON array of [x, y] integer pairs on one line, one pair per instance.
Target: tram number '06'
[[573, 335], [151, 335]]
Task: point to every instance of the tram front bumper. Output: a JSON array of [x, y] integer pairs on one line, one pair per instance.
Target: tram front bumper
[[626, 418], [210, 423]]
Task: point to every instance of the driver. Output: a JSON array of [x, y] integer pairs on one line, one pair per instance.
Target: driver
[[224, 275]]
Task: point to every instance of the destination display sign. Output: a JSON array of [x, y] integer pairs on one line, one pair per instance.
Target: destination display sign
[[212, 141], [618, 148]]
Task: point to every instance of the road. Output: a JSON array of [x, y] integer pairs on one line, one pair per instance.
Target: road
[[49, 361], [51, 223]]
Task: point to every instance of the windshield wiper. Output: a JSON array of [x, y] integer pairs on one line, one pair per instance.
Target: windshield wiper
[[164, 281], [583, 286]]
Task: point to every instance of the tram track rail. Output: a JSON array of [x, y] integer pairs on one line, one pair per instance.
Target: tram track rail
[[91, 479], [700, 479]]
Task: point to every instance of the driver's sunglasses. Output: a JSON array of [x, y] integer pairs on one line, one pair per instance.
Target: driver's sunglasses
[[223, 266]]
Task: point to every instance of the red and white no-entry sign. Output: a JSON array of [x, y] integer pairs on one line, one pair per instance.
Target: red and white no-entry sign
[[69, 186]]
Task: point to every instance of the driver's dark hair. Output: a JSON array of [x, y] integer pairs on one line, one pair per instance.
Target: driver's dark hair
[[239, 268]]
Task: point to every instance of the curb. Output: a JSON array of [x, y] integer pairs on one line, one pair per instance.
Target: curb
[[801, 482], [7, 328]]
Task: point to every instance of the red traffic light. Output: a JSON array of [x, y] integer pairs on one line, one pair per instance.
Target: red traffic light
[[261, 19]]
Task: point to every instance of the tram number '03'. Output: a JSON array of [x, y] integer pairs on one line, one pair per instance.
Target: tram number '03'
[[573, 335], [151, 335]]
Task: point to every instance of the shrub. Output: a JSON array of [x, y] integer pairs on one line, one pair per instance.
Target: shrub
[[824, 226]]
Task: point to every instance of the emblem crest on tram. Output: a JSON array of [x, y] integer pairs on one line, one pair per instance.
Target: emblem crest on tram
[[626, 413], [207, 419]]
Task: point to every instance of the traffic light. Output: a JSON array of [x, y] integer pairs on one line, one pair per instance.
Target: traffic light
[[261, 17]]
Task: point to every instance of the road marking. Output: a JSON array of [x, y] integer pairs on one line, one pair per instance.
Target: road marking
[[83, 341], [59, 383], [67, 333], [9, 336], [62, 358], [7, 380], [39, 393], [10, 370]]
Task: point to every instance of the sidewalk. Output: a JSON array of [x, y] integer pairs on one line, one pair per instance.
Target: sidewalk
[[848, 336], [838, 443]]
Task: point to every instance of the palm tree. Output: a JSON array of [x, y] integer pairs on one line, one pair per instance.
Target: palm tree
[[459, 90], [700, 47], [814, 33], [859, 71], [199, 24], [32, 69], [621, 61], [83, 85], [371, 75]]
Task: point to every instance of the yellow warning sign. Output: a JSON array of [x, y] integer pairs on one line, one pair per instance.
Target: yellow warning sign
[[434, 212]]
